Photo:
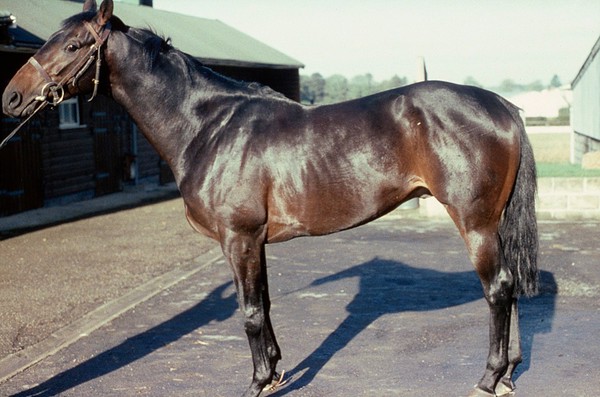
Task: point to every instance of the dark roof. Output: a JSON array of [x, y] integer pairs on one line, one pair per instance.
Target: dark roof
[[211, 41], [587, 62]]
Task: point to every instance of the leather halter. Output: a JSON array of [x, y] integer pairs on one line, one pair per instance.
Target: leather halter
[[76, 70]]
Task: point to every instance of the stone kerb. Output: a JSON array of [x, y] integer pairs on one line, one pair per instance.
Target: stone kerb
[[572, 198]]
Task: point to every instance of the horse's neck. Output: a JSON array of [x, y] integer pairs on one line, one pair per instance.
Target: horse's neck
[[161, 103]]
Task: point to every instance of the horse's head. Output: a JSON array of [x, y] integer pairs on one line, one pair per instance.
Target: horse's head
[[62, 68]]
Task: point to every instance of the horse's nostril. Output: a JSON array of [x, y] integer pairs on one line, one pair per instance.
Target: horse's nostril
[[14, 100]]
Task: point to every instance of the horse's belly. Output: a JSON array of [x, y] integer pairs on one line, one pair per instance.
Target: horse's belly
[[324, 217]]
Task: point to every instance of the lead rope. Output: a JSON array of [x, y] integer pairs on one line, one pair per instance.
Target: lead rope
[[5, 140]]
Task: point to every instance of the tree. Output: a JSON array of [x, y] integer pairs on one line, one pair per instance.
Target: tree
[[535, 86], [315, 89], [555, 82], [336, 89], [394, 82], [470, 80], [361, 85], [312, 89], [508, 85]]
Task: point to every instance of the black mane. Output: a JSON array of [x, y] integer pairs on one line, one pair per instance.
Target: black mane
[[154, 45]]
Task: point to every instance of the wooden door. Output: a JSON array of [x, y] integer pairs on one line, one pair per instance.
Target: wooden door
[[21, 176], [107, 132]]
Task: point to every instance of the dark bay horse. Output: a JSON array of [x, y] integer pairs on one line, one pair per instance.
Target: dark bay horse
[[254, 167]]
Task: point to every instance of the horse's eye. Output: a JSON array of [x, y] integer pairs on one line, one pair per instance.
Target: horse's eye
[[72, 48]]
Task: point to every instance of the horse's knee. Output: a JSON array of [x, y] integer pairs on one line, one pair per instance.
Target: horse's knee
[[254, 321], [500, 291]]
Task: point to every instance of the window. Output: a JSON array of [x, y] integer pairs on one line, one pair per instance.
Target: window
[[68, 112]]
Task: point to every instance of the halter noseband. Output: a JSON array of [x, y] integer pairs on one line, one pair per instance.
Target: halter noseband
[[76, 71]]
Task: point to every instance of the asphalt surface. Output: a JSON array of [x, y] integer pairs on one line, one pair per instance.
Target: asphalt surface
[[392, 308]]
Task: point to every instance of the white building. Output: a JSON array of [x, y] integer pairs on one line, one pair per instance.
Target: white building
[[585, 110], [545, 103]]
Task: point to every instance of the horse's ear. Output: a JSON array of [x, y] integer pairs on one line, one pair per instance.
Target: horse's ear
[[90, 5], [105, 12]]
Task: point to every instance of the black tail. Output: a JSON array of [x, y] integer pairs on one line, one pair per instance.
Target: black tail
[[518, 229]]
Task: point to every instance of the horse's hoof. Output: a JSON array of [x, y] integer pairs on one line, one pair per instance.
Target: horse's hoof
[[477, 392], [505, 390], [277, 381]]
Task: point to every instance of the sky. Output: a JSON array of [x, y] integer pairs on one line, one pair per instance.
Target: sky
[[489, 40]]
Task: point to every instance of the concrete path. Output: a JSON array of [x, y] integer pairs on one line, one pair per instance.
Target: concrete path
[[389, 309]]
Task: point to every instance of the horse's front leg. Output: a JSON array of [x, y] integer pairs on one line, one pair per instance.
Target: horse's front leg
[[245, 253]]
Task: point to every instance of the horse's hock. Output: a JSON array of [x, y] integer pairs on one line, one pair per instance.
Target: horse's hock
[[558, 198]]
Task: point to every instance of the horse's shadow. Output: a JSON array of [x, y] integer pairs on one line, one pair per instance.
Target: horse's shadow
[[536, 315], [215, 307], [385, 287], [392, 287]]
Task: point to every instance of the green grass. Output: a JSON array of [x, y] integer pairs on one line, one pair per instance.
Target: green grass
[[564, 170], [551, 151]]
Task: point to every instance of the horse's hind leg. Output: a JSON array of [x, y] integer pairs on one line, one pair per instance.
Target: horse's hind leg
[[246, 256], [484, 246], [506, 385]]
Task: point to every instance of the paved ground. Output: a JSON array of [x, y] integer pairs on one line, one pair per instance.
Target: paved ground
[[389, 309]]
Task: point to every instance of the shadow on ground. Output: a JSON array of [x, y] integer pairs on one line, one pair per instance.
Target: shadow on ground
[[214, 307], [536, 315], [385, 287], [392, 287]]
